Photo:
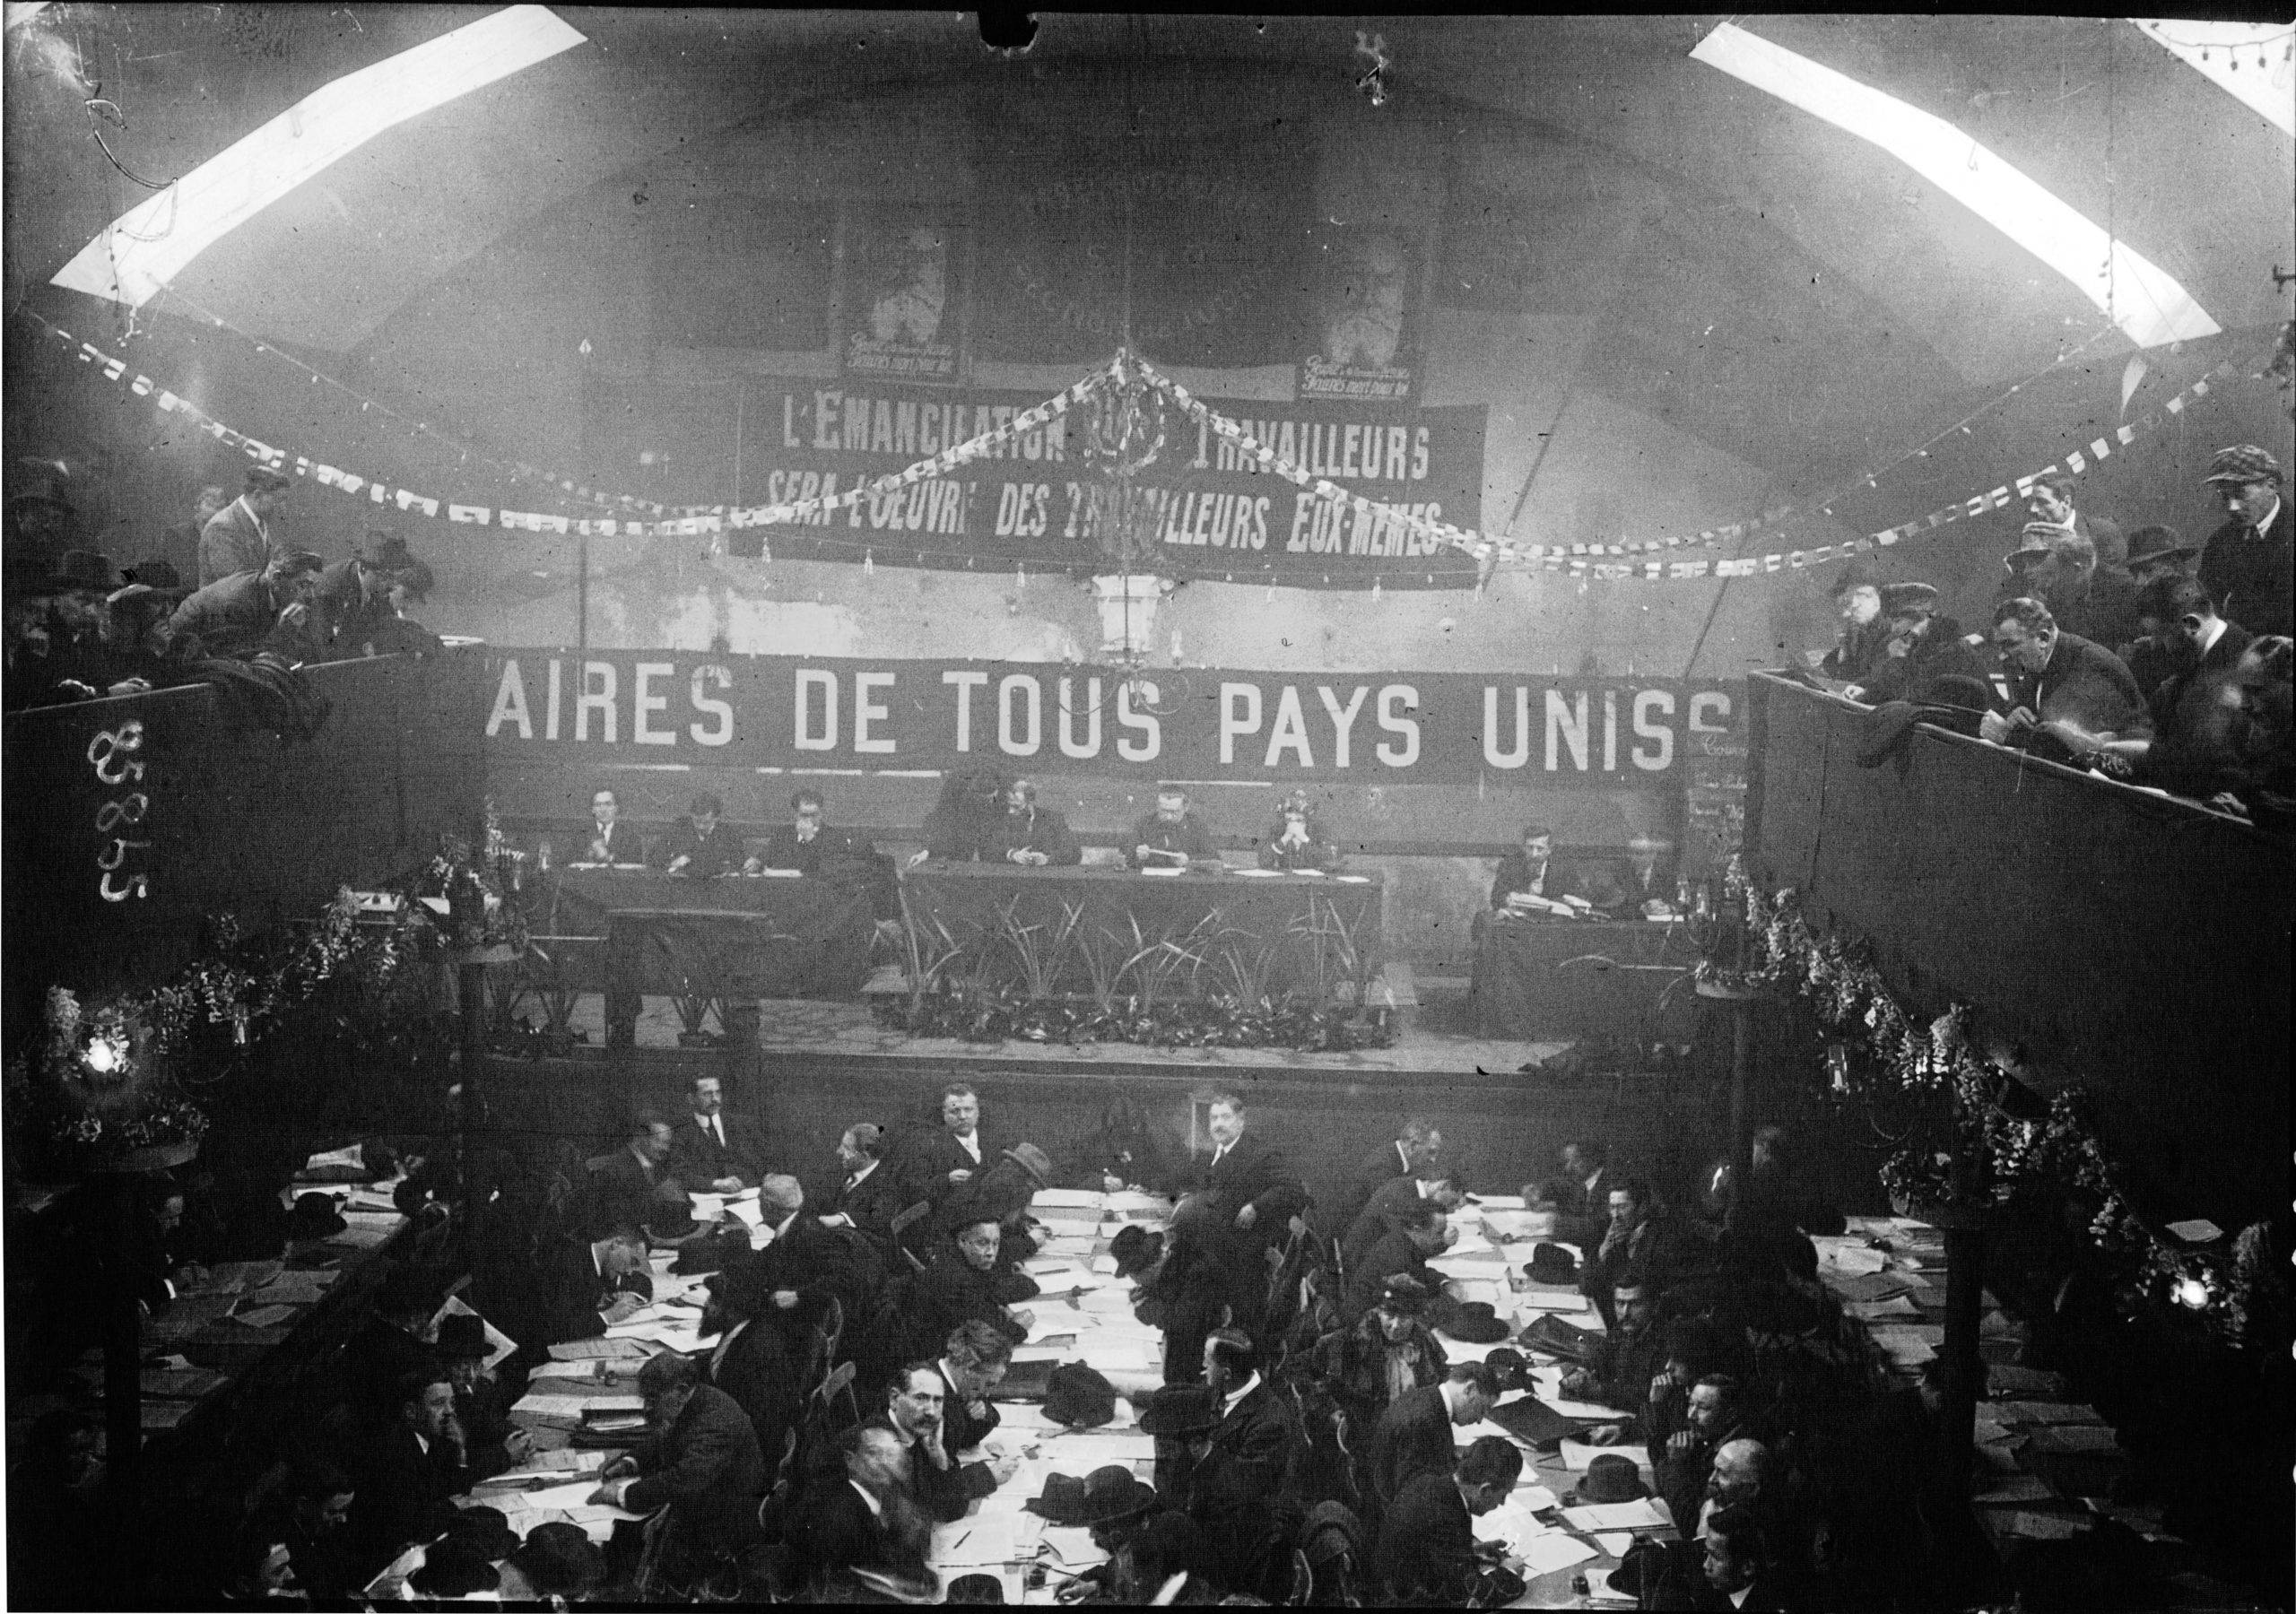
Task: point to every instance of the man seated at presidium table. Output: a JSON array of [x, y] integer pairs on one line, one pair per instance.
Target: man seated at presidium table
[[1297, 840], [1034, 836], [700, 847], [807, 842], [1171, 836], [610, 840]]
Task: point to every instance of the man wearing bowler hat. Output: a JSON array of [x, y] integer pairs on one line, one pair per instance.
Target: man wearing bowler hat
[[2154, 553], [495, 1442], [2247, 564], [359, 600], [238, 538]]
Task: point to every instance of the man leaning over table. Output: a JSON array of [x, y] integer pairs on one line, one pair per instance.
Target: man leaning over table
[[700, 848], [1172, 837], [700, 1456]]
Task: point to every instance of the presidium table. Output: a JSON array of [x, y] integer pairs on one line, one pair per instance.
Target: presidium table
[[1288, 932], [1538, 979], [723, 941]]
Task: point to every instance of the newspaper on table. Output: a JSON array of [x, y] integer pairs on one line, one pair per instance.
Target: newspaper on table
[[1644, 1513]]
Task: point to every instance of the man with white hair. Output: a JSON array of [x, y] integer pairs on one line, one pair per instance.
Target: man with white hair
[[805, 1265]]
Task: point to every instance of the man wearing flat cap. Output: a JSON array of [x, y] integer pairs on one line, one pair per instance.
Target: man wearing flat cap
[[238, 537], [2246, 565], [1923, 647], [359, 600], [1859, 647]]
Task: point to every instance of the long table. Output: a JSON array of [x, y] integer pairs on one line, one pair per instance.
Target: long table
[[727, 940], [1538, 978], [1322, 929]]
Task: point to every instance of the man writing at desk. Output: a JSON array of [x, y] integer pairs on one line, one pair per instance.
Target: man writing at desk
[[698, 848], [1033, 836], [1171, 836], [802, 844]]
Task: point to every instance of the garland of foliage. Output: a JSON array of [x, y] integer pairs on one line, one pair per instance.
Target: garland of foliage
[[107, 1076], [1889, 1051], [1208, 1022]]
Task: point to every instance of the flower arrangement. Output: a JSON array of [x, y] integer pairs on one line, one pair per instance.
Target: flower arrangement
[[479, 888], [97, 1086], [1965, 1108]]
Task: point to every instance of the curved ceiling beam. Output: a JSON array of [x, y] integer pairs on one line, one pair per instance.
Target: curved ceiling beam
[[133, 258], [2143, 300]]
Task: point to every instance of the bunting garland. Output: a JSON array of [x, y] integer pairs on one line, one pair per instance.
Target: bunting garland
[[1640, 560], [1607, 562]]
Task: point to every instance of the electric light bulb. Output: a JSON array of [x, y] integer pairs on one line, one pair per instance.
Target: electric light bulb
[[2190, 1292]]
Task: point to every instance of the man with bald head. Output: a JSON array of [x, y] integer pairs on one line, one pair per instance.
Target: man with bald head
[[804, 1265]]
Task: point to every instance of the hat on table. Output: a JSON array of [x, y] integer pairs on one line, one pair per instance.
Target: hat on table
[[1078, 1397], [1476, 1322], [454, 1567], [314, 1217], [488, 1529], [1552, 1263], [1612, 1478], [462, 1336], [1112, 1493], [975, 1588], [2244, 463], [1062, 1500], [559, 1561]]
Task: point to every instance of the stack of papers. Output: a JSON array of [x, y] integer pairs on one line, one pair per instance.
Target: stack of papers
[[294, 1289], [234, 1277], [1644, 1513], [590, 1350], [1576, 1457], [1544, 1555]]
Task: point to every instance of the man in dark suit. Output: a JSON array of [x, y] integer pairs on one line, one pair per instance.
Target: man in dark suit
[[1253, 1191], [238, 538], [973, 1362], [1397, 1203], [1528, 873], [807, 842], [246, 613], [700, 847], [377, 1358], [1685, 1464], [1858, 597], [180, 544], [1402, 1250], [412, 1470], [934, 1162], [2195, 746], [1642, 1241], [491, 1441], [2248, 565], [574, 1279], [1739, 1576], [2051, 499], [868, 1198], [806, 1265], [700, 1456], [1415, 1145], [1581, 1196], [2061, 685], [1413, 1434], [635, 1186], [1032, 836], [1171, 836], [865, 1522], [357, 602], [1249, 1466], [754, 1362], [915, 1406], [713, 1151], [1923, 647], [1426, 1553], [610, 840], [2058, 567], [965, 1281]]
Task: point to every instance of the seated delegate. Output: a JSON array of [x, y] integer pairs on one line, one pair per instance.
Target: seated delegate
[[700, 847]]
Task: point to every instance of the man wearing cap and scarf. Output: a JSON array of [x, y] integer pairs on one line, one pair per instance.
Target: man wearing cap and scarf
[[238, 538], [2248, 565], [1922, 646], [1860, 645]]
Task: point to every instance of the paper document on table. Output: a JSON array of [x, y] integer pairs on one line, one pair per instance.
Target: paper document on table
[[188, 1384], [599, 1349], [1132, 1202], [1644, 1513], [1072, 1198], [1576, 1455], [969, 1543], [352, 1157], [1873, 1311], [236, 1277], [1853, 1259], [1550, 1300], [1498, 1202], [1617, 1543], [2016, 1487], [746, 1211], [1096, 1449], [1544, 1555], [263, 1316], [1511, 1525], [371, 1199], [1489, 1291], [1872, 1285], [1073, 1546], [576, 1494], [357, 1237]]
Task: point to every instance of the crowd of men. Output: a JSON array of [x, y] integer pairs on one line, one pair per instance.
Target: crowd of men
[[1312, 1433], [78, 629], [2147, 658]]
